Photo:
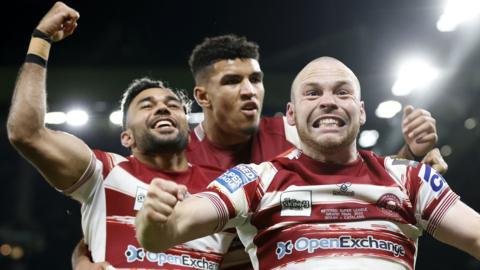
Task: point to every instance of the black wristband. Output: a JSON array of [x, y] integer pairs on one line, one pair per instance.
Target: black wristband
[[39, 34], [33, 58], [415, 157]]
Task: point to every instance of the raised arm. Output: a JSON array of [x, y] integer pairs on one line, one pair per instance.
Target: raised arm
[[460, 228], [167, 219], [61, 158]]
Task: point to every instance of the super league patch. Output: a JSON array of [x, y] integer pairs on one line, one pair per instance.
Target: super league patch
[[237, 177]]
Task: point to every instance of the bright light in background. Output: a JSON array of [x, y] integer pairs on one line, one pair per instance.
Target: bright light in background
[[388, 109], [413, 74], [470, 123], [77, 117], [446, 150], [116, 118], [55, 118], [368, 138], [457, 12]]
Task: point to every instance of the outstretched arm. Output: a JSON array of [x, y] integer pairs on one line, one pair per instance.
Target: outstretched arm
[[167, 219], [460, 228], [60, 157]]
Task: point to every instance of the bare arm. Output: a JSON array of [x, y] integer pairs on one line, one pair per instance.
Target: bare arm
[[464, 235], [60, 157], [162, 223]]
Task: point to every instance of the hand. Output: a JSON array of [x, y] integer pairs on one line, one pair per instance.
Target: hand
[[59, 22], [419, 130], [162, 196], [436, 161]]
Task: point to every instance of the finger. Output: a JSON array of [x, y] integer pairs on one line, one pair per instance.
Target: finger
[[421, 130], [166, 185], [407, 111], [154, 193], [182, 192], [155, 216], [427, 138], [441, 167], [415, 114], [411, 129]]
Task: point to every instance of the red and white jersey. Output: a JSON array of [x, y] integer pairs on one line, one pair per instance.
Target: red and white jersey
[[274, 137], [298, 213], [112, 190]]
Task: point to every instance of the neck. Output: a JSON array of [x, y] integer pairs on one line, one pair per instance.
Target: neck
[[170, 162], [218, 136], [339, 155]]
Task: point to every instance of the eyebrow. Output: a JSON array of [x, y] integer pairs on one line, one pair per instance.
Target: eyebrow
[[152, 99], [337, 84]]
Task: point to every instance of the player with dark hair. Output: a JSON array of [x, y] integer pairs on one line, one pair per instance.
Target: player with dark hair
[[229, 88], [110, 187]]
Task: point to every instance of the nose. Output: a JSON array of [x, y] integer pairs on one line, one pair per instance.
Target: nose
[[161, 108], [327, 101], [247, 90]]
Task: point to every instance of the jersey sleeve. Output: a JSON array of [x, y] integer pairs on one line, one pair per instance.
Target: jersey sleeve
[[101, 163], [237, 192], [431, 196]]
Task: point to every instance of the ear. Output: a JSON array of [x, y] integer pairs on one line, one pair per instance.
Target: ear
[[127, 139], [201, 96], [291, 114], [363, 115]]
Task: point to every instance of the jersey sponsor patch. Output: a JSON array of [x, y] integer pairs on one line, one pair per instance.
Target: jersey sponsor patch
[[237, 177], [134, 254], [296, 203], [311, 245], [433, 179]]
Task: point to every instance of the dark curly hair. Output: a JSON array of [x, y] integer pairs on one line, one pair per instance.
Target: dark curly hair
[[218, 48], [138, 85]]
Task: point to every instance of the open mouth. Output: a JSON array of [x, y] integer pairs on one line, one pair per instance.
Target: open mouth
[[249, 108], [328, 122], [163, 123]]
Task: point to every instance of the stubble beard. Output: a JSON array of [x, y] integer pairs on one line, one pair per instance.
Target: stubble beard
[[152, 145]]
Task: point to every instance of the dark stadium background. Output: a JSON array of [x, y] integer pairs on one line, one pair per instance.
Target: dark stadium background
[[117, 41]]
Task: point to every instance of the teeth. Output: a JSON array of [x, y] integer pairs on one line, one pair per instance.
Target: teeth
[[329, 122], [163, 123]]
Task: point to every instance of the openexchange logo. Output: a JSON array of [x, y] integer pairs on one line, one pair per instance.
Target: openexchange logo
[[138, 254], [343, 242]]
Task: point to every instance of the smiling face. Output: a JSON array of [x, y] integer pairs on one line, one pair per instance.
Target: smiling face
[[326, 107], [156, 123], [232, 96]]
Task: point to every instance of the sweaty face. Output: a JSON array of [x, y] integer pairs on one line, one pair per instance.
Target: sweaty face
[[326, 106], [156, 122], [235, 90]]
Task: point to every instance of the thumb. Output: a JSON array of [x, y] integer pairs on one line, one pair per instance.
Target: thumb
[[182, 192], [407, 111]]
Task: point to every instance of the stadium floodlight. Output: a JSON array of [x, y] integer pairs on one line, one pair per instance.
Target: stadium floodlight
[[368, 138], [77, 117], [116, 118], [457, 12], [388, 109], [55, 118], [413, 74]]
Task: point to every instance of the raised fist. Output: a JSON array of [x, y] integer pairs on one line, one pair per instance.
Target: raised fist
[[59, 22], [419, 130]]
